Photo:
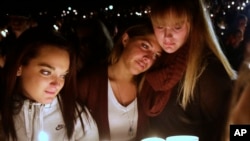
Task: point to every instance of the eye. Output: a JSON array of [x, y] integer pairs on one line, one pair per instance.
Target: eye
[[144, 45], [178, 26], [45, 72], [159, 27]]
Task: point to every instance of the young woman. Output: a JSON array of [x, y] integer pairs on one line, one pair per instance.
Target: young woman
[[39, 91], [188, 91], [111, 91]]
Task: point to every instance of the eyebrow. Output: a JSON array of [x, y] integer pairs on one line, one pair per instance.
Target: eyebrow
[[49, 66], [46, 65]]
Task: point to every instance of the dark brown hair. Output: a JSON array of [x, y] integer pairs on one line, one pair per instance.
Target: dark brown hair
[[27, 47]]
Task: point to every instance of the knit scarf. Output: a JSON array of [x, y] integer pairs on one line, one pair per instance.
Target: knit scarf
[[162, 79]]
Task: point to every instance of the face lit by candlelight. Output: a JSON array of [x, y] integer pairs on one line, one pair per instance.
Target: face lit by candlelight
[[43, 77]]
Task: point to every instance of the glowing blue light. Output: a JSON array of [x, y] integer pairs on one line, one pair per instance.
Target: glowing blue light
[[43, 136]]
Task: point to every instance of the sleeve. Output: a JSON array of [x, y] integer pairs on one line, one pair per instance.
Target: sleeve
[[215, 89]]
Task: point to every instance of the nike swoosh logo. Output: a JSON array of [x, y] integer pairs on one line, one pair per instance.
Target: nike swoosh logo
[[59, 126]]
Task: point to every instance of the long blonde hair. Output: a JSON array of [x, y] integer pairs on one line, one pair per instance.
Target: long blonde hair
[[201, 37]]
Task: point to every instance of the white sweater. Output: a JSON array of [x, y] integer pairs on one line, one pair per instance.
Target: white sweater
[[39, 122]]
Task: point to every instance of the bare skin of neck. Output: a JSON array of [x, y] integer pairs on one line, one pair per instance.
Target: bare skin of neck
[[123, 85]]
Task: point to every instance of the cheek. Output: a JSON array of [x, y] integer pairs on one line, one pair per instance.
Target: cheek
[[62, 82], [32, 79], [159, 37], [159, 34], [32, 86]]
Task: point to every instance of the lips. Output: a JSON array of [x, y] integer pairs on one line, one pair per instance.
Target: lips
[[50, 92], [168, 44], [141, 64]]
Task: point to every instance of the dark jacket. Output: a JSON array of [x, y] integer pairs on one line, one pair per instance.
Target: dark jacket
[[93, 90], [205, 116]]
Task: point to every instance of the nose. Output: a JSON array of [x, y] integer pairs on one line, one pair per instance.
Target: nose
[[149, 57], [56, 81], [168, 32]]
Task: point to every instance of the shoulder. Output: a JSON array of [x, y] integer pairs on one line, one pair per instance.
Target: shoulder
[[214, 68], [214, 80]]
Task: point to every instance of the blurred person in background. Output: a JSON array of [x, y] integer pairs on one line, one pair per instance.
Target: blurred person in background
[[95, 43], [239, 109]]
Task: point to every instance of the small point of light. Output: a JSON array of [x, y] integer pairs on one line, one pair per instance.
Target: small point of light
[[111, 7], [56, 27], [138, 13], [4, 33]]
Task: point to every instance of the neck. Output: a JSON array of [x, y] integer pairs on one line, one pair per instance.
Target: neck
[[118, 73], [124, 86]]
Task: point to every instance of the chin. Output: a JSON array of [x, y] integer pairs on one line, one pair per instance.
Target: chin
[[47, 101], [169, 50]]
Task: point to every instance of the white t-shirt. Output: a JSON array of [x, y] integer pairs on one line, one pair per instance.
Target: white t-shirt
[[122, 120]]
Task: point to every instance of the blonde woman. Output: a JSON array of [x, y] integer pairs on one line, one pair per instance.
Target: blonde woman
[[188, 90]]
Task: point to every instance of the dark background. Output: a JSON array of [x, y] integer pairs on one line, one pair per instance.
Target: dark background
[[34, 6]]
